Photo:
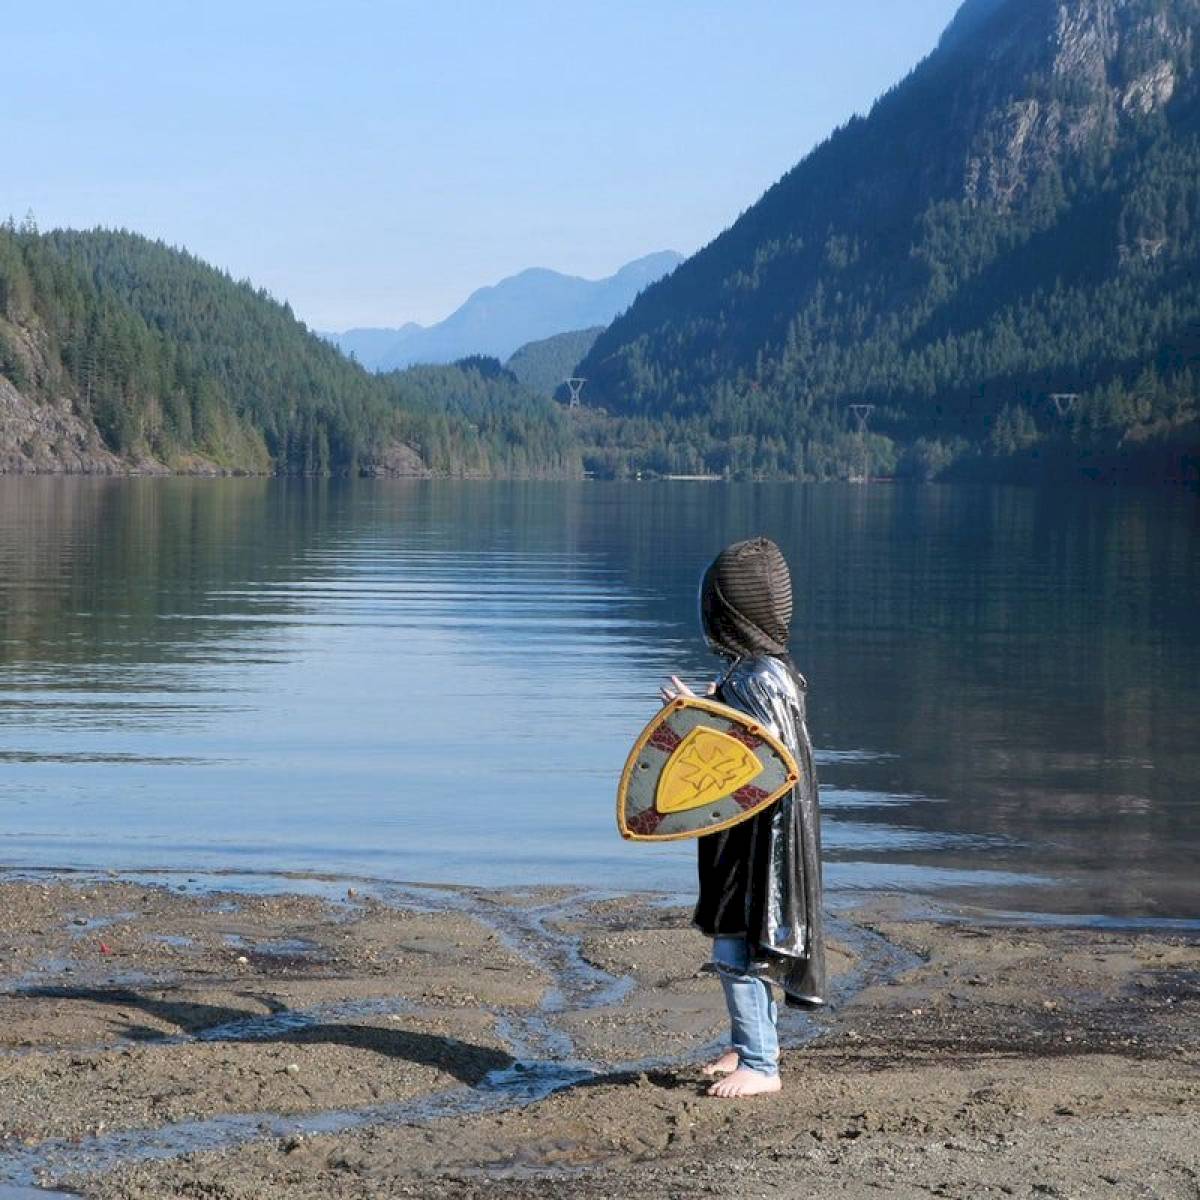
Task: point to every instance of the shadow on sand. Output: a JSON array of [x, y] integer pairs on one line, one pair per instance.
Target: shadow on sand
[[466, 1061]]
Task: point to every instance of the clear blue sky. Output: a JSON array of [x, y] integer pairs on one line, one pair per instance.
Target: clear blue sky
[[375, 162]]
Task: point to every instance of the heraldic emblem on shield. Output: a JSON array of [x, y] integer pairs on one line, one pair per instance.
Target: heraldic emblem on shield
[[699, 767]]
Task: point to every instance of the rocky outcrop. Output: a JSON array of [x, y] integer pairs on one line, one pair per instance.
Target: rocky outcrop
[[1150, 90], [46, 438], [1108, 62], [42, 431], [399, 461]]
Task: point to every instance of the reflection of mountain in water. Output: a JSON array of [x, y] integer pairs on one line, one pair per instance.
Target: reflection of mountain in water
[[96, 572]]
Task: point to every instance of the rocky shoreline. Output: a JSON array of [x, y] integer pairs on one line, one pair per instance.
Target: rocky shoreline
[[322, 1038], [51, 438]]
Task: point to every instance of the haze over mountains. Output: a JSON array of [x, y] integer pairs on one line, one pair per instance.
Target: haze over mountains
[[496, 320]]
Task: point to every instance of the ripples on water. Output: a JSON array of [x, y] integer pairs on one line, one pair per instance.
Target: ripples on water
[[440, 681]]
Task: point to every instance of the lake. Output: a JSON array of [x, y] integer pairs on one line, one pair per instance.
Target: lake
[[439, 681]]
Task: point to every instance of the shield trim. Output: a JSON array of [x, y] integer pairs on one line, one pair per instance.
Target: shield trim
[[750, 804]]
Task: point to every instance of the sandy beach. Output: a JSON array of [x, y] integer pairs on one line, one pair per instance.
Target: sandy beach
[[328, 1038]]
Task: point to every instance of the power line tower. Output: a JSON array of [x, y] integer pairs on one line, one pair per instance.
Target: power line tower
[[862, 413], [1064, 402], [576, 386]]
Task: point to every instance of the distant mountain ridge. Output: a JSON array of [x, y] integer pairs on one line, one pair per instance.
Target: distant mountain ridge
[[369, 346], [498, 319]]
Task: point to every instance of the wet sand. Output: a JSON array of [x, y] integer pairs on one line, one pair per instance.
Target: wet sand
[[365, 1041]]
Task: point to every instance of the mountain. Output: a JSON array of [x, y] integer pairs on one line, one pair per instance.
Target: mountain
[[119, 354], [542, 366], [1018, 218], [370, 346], [496, 320]]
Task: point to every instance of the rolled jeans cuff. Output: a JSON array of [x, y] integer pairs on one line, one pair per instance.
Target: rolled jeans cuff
[[752, 1009]]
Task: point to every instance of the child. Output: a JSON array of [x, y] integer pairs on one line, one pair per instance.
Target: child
[[760, 881]]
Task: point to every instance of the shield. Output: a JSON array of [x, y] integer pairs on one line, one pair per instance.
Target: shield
[[699, 767]]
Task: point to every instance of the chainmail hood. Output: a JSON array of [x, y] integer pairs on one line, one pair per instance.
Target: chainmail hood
[[746, 600]]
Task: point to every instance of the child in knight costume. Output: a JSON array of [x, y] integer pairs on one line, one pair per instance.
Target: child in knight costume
[[760, 881]]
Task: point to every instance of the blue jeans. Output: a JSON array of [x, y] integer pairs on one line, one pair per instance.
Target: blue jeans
[[752, 1011]]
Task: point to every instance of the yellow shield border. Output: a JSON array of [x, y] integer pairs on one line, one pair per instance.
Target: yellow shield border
[[733, 715]]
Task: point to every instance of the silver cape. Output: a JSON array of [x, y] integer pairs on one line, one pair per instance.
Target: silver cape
[[786, 936]]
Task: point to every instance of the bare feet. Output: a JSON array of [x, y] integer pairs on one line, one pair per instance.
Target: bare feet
[[725, 1065], [744, 1082]]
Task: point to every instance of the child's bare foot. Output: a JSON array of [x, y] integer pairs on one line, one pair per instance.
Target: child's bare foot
[[725, 1065], [744, 1082]]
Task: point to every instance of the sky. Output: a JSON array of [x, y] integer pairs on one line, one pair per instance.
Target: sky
[[374, 163]]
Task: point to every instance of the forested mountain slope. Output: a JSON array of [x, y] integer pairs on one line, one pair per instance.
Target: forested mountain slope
[[1018, 217], [543, 365], [118, 353]]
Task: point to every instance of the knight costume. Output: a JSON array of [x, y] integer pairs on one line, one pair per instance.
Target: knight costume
[[761, 879]]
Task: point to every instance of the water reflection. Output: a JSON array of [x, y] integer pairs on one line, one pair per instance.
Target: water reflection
[[439, 681]]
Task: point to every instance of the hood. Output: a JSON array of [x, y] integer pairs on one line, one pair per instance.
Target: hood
[[746, 600]]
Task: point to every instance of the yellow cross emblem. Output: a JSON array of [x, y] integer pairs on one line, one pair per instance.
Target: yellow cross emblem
[[706, 766]]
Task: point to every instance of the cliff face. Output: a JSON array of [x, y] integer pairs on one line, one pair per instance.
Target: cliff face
[[980, 239], [1115, 62], [49, 438], [41, 429]]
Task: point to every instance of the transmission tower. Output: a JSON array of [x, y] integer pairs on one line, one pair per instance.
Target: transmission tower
[[1064, 402], [862, 413], [576, 386]]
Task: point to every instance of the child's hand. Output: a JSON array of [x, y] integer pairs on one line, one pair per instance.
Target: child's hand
[[673, 689]]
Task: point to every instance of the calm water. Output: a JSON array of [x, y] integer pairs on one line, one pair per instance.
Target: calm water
[[439, 681]]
